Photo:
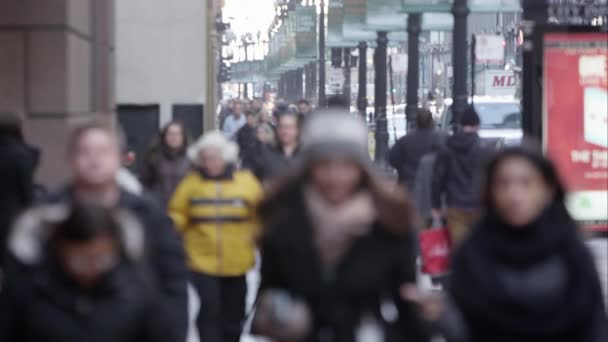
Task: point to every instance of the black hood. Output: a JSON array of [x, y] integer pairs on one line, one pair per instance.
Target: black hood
[[462, 141]]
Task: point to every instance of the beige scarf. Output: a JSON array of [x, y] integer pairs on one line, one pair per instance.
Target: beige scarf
[[336, 227]]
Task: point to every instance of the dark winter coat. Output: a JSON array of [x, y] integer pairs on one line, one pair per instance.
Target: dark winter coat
[[162, 173], [528, 284], [369, 275], [246, 138], [165, 254], [17, 165], [407, 152], [42, 304], [458, 170], [271, 162]]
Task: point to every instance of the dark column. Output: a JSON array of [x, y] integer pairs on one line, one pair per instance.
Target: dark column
[[322, 100], [413, 71], [460, 10], [535, 13], [362, 96], [380, 99], [280, 85], [299, 79], [347, 76]]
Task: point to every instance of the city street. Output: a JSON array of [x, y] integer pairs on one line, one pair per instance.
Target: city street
[[308, 170]]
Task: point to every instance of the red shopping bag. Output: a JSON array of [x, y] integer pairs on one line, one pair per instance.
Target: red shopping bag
[[435, 248]]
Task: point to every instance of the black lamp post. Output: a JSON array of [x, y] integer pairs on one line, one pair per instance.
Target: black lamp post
[[362, 95], [414, 26], [460, 10], [380, 64], [322, 98]]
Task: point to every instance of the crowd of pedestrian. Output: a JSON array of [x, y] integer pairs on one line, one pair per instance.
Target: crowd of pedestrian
[[337, 237]]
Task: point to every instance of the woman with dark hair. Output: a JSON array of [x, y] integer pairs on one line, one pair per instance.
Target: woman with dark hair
[[18, 162], [83, 279], [337, 246], [525, 274], [166, 164]]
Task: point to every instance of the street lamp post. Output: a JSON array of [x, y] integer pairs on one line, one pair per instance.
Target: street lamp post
[[362, 95], [322, 100], [460, 10], [414, 26], [380, 63], [534, 12]]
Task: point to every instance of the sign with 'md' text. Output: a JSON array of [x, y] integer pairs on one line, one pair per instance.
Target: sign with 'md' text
[[500, 83], [575, 119]]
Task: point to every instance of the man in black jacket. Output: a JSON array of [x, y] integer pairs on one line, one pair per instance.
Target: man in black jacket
[[272, 160], [407, 152], [246, 136], [17, 164], [94, 158], [456, 176]]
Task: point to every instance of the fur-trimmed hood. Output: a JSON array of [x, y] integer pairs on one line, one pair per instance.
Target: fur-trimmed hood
[[31, 231]]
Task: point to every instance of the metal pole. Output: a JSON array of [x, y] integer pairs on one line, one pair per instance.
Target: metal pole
[[380, 96], [322, 99], [347, 76], [534, 12], [245, 92], [460, 10], [413, 50], [473, 62], [362, 96]]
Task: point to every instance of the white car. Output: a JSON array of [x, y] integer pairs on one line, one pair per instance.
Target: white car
[[501, 119]]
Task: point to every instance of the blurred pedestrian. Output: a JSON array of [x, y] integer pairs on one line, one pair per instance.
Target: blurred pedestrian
[[166, 164], [234, 121], [225, 110], [257, 105], [525, 274], [265, 139], [407, 152], [214, 209], [337, 245], [273, 160], [246, 136], [93, 155], [18, 162], [457, 175], [85, 279]]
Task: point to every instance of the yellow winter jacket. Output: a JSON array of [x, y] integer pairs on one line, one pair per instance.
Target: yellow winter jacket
[[217, 221]]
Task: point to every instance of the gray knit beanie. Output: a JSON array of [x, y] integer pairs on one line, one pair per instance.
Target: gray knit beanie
[[335, 134]]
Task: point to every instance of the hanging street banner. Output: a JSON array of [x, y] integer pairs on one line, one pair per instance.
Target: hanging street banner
[[354, 21], [575, 120], [306, 33], [335, 22], [384, 15]]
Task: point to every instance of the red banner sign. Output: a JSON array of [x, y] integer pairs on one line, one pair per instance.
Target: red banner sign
[[575, 117]]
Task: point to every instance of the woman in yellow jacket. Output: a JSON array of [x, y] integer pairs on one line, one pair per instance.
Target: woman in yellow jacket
[[214, 209]]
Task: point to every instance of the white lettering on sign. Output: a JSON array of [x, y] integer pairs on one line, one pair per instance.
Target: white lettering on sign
[[581, 157]]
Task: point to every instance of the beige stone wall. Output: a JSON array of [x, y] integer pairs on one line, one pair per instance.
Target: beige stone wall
[[56, 66]]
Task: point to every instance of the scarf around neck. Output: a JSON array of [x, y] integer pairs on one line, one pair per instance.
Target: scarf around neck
[[335, 227], [487, 304]]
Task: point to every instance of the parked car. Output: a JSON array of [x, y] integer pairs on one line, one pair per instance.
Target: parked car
[[501, 119]]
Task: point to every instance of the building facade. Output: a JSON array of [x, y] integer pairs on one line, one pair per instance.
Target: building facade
[[56, 67], [161, 66]]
